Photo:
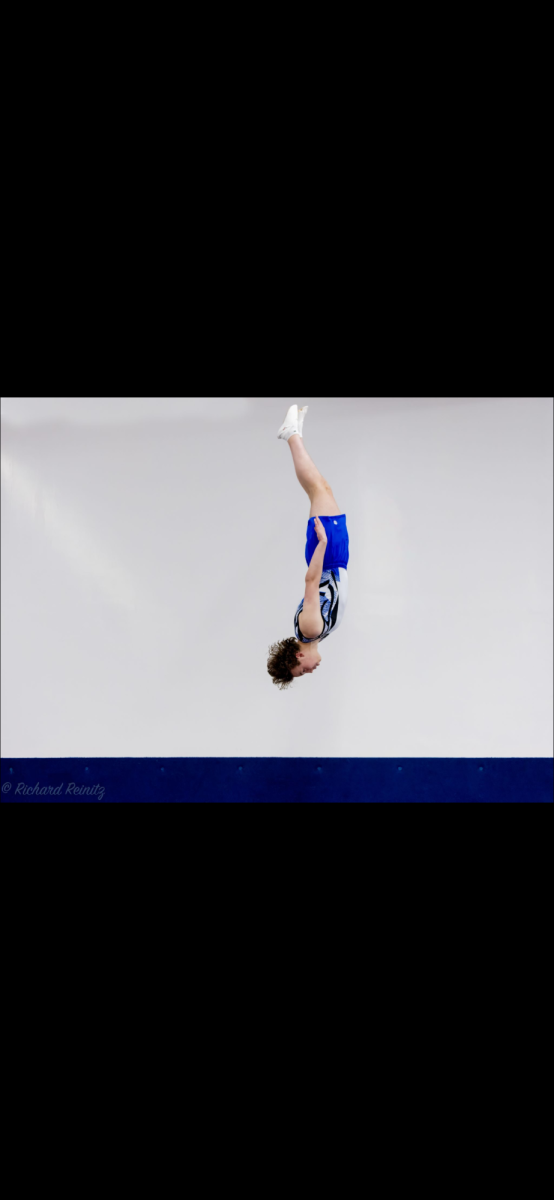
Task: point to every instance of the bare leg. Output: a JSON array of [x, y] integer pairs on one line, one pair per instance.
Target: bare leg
[[323, 503], [306, 470]]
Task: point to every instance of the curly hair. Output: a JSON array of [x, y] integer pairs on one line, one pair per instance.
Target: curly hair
[[281, 661]]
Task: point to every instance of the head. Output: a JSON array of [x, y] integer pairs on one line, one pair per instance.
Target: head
[[290, 659]]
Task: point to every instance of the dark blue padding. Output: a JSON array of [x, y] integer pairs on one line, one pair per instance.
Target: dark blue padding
[[277, 780]]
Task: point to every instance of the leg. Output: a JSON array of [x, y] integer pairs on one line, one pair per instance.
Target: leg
[[323, 503]]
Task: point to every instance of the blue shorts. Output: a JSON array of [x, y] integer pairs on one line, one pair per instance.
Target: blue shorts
[[337, 550]]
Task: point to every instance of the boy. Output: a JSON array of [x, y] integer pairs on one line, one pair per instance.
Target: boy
[[321, 610]]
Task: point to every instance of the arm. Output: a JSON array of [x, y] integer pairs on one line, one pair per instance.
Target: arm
[[316, 566], [313, 624]]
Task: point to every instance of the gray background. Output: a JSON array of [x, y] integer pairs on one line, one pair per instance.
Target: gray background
[[152, 550]]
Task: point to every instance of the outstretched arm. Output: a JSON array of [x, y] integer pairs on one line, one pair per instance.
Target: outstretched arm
[[312, 620], [316, 565]]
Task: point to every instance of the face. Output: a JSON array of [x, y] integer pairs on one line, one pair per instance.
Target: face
[[308, 661]]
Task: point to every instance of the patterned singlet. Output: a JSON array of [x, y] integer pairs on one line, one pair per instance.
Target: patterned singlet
[[333, 597]]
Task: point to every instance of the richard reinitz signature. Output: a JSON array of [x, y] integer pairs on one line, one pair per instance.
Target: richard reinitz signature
[[64, 789]]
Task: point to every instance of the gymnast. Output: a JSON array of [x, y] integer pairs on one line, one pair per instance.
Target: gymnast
[[322, 607]]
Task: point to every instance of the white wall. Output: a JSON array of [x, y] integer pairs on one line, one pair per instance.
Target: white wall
[[152, 550]]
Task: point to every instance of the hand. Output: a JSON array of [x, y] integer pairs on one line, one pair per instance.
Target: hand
[[320, 531]]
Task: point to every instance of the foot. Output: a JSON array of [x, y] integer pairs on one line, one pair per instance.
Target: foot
[[301, 414], [290, 424]]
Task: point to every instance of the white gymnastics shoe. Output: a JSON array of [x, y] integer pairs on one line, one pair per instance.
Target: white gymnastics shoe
[[301, 414], [290, 424]]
